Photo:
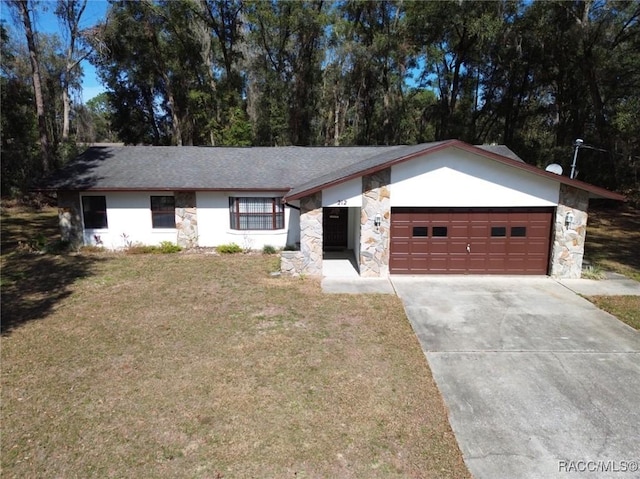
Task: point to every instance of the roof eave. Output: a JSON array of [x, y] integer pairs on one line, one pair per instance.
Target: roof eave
[[278, 189]]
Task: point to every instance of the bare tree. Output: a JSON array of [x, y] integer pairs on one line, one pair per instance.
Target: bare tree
[[23, 7], [69, 12]]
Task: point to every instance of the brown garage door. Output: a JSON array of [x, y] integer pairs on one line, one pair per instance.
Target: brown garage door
[[470, 240]]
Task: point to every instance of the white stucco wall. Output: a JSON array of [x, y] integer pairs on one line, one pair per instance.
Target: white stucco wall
[[456, 178], [354, 232], [214, 225], [348, 194], [128, 213]]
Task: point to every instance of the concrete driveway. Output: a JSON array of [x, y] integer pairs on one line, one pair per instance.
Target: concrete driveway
[[539, 383]]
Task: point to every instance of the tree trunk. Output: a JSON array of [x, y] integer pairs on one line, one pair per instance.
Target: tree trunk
[[207, 55], [336, 121], [70, 12], [66, 108], [23, 6]]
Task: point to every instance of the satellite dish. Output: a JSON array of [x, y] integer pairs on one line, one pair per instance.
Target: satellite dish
[[554, 168]]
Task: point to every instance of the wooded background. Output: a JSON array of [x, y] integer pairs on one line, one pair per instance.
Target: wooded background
[[532, 75]]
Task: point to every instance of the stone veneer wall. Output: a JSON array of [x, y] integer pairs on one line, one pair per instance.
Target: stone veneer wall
[[375, 241], [311, 234], [292, 263], [186, 219], [70, 218], [567, 251]]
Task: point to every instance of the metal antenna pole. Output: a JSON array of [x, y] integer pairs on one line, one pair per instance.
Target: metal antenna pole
[[577, 144]]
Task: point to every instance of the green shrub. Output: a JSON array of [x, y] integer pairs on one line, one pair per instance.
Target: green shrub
[[593, 272], [268, 249], [40, 244], [167, 247], [140, 249], [230, 248], [58, 246]]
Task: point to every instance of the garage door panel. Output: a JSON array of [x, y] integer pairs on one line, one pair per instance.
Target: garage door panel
[[440, 247], [497, 247], [479, 230], [536, 248], [501, 240], [402, 247]]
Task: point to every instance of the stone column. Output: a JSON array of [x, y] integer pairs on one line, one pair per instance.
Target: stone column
[[567, 251], [186, 219], [311, 234], [375, 240], [70, 218]]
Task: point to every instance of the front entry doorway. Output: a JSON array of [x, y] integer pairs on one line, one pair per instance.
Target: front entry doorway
[[335, 223]]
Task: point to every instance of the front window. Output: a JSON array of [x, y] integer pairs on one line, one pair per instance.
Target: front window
[[254, 213], [163, 212], [94, 212]]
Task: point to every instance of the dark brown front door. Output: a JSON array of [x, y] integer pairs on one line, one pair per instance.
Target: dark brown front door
[[334, 227], [470, 240]]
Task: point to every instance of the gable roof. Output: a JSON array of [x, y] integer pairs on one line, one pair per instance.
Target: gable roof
[[299, 171], [382, 161]]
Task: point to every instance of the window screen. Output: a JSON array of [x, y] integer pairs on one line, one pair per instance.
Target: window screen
[[163, 211], [247, 213]]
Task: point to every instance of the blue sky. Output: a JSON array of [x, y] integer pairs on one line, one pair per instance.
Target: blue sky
[[47, 22]]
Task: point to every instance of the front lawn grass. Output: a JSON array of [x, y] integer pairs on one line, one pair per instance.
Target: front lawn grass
[[613, 236], [195, 365], [625, 308]]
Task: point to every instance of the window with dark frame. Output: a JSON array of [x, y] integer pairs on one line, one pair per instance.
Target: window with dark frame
[[163, 212], [256, 213], [94, 212], [438, 231], [498, 231], [518, 231], [420, 231]]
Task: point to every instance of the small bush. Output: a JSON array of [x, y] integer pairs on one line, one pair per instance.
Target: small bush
[[268, 249], [230, 248], [167, 247], [140, 249], [40, 244], [58, 247], [593, 272]]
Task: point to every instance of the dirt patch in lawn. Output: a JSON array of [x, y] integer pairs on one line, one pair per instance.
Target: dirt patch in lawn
[[206, 366]]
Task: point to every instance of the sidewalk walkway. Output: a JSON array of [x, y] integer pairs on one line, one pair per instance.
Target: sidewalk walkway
[[614, 285]]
